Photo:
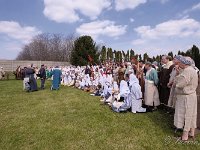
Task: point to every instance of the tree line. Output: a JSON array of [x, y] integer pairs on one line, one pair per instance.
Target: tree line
[[83, 50]]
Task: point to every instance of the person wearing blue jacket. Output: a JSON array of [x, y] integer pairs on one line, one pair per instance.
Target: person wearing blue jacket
[[56, 73]]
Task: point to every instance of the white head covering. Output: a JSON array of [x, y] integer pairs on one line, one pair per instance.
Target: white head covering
[[133, 79], [192, 63], [135, 87], [124, 90], [115, 86]]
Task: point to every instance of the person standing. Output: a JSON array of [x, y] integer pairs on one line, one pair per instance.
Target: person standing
[[151, 96], [121, 73], [172, 96], [164, 76], [29, 73], [186, 83], [56, 73], [42, 73]]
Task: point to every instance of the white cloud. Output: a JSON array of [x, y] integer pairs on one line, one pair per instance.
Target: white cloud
[[104, 28], [172, 28], [172, 35], [189, 10], [13, 36], [67, 11], [196, 7], [128, 4], [15, 31]]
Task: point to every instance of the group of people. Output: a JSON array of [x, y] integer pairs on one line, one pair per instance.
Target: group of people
[[134, 86]]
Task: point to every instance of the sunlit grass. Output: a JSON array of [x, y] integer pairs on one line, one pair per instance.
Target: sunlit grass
[[72, 119]]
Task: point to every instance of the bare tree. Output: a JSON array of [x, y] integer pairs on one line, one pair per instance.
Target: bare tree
[[48, 47]]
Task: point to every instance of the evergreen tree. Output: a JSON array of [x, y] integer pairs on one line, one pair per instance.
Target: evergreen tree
[[145, 57], [140, 57], [103, 54], [132, 54], [154, 59], [84, 50], [109, 54], [194, 54], [158, 58], [171, 54], [127, 56], [120, 56]]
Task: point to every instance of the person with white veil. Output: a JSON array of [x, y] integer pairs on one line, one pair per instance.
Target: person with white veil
[[116, 94], [135, 95], [65, 79], [82, 82], [119, 106]]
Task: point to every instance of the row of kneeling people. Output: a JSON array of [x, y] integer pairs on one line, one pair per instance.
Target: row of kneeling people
[[128, 95]]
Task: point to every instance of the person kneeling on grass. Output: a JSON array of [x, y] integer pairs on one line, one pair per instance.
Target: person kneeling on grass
[[124, 103], [107, 92], [135, 95]]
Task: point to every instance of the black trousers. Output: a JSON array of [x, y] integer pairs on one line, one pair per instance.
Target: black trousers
[[42, 83]]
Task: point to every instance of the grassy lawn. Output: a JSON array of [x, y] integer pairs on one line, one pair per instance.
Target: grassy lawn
[[72, 119]]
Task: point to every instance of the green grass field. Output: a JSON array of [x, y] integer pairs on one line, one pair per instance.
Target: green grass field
[[72, 119]]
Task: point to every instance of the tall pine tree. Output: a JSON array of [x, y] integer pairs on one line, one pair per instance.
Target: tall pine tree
[[103, 54], [85, 51]]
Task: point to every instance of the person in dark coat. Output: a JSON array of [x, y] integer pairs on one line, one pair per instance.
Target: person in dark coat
[[42, 74], [164, 75], [56, 73], [29, 72]]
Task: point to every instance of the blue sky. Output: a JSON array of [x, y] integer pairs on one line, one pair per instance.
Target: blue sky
[[152, 26]]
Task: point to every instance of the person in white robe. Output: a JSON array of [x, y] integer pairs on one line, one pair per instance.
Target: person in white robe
[[122, 106], [135, 95]]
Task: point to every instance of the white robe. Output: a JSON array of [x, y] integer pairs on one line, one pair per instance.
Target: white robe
[[135, 95], [186, 104]]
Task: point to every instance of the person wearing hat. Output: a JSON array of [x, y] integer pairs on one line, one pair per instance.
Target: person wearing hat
[[186, 83], [151, 96], [42, 74]]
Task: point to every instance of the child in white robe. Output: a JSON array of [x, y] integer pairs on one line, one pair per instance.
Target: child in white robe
[[135, 95]]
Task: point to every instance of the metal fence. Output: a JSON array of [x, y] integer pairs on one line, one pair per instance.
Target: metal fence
[[11, 65]]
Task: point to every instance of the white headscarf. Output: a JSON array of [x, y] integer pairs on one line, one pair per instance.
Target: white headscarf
[[135, 87], [115, 86], [124, 90], [133, 79]]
